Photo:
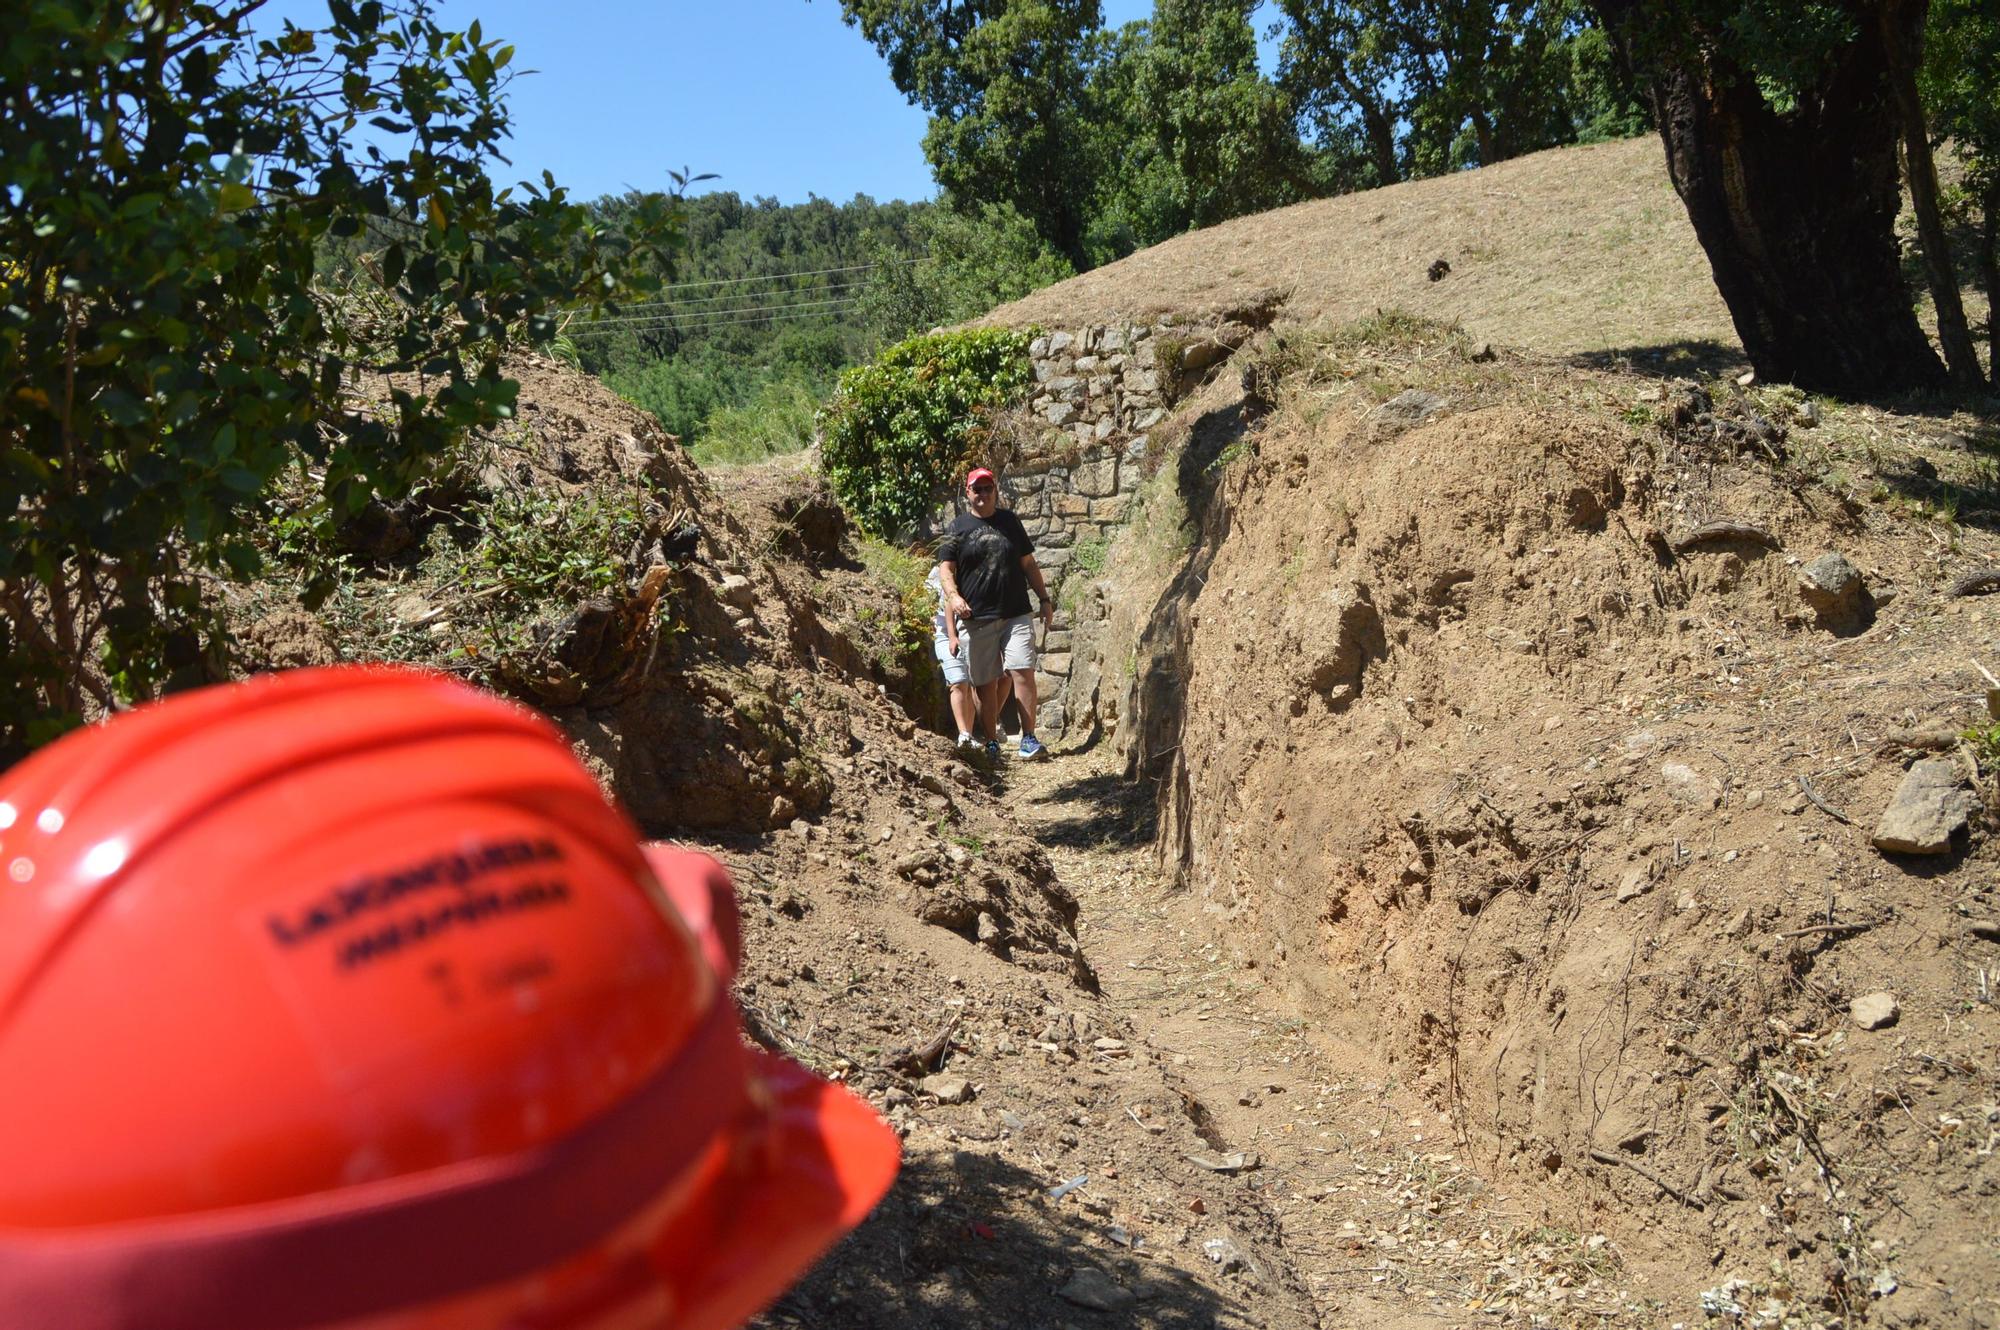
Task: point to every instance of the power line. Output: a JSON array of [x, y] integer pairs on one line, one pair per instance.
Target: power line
[[685, 326], [737, 295], [783, 276], [745, 309], [710, 315], [598, 330]]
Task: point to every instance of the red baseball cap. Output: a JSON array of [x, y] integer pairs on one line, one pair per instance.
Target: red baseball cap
[[978, 473], [344, 998]]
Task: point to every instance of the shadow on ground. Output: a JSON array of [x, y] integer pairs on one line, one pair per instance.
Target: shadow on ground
[[1119, 812], [969, 1240], [1687, 359]]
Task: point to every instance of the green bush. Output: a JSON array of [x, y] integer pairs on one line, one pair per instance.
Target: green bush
[[171, 177], [898, 430], [779, 419]]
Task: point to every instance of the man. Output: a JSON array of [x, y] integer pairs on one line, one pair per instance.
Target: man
[[986, 563]]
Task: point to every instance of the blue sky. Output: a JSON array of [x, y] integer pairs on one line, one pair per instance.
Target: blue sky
[[778, 97]]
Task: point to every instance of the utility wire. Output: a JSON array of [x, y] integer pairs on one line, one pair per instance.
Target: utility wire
[[776, 313], [707, 315], [693, 301], [743, 309], [683, 326], [784, 276]]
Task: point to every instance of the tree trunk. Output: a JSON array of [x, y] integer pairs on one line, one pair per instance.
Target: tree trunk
[[1796, 211], [1902, 30], [1989, 275], [1378, 126]]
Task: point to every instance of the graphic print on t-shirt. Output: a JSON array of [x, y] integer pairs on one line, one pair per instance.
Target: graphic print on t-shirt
[[986, 555]]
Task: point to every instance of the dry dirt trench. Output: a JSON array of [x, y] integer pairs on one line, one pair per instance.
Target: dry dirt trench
[[1373, 1210]]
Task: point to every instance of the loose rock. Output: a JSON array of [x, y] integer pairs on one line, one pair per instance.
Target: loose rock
[[947, 1089], [1873, 1011], [1092, 1288], [1636, 884], [1236, 1161], [1412, 406], [1226, 1254], [1929, 807], [1837, 595], [1690, 787]]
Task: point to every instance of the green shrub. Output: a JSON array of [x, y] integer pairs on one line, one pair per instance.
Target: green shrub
[[898, 430], [779, 419]]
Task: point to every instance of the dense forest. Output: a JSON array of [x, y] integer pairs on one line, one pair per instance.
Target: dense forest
[[768, 302]]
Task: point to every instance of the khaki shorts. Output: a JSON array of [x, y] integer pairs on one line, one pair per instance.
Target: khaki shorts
[[996, 644]]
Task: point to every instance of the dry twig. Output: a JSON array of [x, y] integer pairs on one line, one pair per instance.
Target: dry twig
[[1806, 787], [1681, 1194]]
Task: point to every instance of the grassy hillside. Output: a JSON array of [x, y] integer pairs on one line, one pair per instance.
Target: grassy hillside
[[1566, 251]]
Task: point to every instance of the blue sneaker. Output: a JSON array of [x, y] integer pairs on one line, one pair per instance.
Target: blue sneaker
[[993, 751], [1031, 747]]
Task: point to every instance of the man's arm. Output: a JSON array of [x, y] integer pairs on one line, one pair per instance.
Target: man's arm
[[955, 604], [1034, 572]]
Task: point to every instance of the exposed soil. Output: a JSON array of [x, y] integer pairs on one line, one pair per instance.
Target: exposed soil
[[1445, 859], [1461, 728]]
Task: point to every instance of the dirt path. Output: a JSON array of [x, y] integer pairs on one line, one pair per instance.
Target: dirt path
[[1376, 1212]]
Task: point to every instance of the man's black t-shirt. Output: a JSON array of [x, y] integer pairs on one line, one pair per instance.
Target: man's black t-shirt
[[986, 556]]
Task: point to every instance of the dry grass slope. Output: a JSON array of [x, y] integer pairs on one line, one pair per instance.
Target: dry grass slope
[[1568, 251]]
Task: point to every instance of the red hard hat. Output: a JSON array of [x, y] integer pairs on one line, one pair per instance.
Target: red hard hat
[[343, 997]]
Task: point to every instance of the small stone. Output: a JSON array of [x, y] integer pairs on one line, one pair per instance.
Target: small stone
[[947, 1089], [1236, 1161], [736, 590], [1746, 378], [1873, 1011], [1929, 807], [1114, 1048], [1690, 787], [1754, 799], [1092, 1288], [1225, 1253], [1636, 884], [1412, 406], [989, 929], [1686, 902], [1838, 597]]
